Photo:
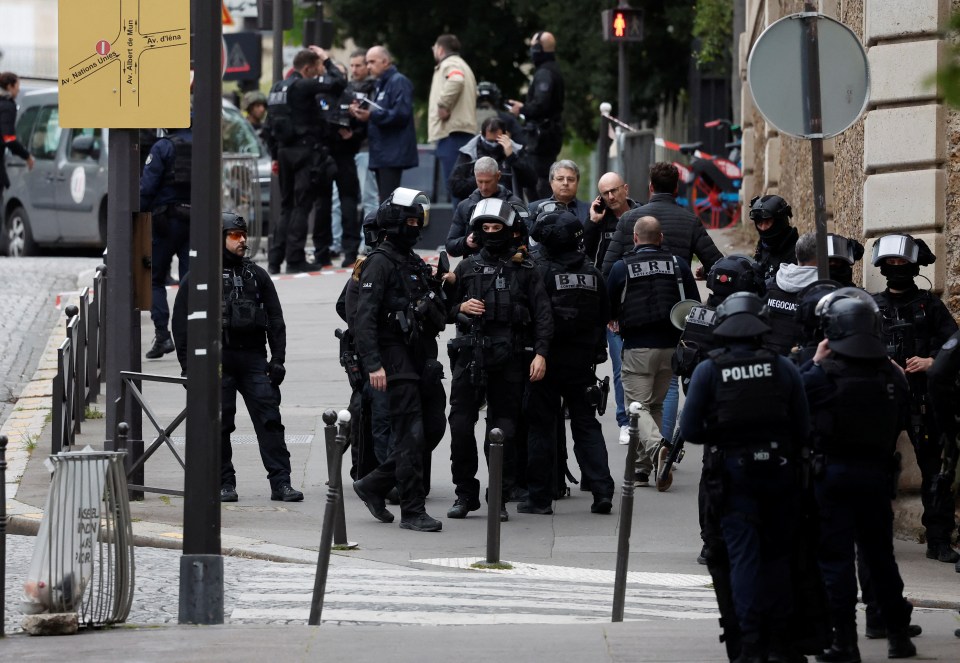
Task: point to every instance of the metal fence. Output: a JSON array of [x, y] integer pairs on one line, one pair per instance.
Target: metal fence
[[80, 362], [241, 194]]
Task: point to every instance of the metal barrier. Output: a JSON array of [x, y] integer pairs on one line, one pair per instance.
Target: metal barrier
[[241, 194], [80, 360]]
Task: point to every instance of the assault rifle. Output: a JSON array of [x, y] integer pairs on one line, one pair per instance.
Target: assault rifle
[[477, 342], [349, 358]]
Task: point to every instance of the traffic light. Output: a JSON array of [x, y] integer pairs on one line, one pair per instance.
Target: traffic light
[[622, 24]]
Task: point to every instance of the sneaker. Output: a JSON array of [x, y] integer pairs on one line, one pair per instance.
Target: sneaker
[[462, 507], [942, 552], [374, 503], [641, 479], [160, 348], [421, 523], [601, 505], [228, 493], [286, 493], [530, 507], [624, 435]]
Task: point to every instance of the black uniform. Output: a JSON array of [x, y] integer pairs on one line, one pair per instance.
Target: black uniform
[[578, 298], [399, 314], [8, 136], [492, 360], [770, 253], [916, 323], [460, 224], [297, 141], [785, 326], [543, 109], [597, 236]]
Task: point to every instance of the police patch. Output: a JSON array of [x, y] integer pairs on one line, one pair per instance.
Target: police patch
[[647, 268], [149, 160], [950, 344], [748, 372], [367, 285], [576, 281], [701, 315]]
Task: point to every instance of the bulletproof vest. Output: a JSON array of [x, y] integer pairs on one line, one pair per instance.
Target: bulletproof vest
[[748, 402], [785, 327], [244, 318], [860, 419], [280, 114], [409, 301], [499, 285], [906, 325], [651, 289], [575, 301]]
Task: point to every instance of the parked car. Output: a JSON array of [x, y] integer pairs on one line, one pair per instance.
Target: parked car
[[62, 202]]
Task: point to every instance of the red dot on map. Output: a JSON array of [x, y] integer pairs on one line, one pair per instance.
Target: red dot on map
[[103, 47]]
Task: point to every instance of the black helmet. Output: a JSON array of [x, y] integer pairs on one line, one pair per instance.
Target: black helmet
[[488, 92], [807, 313], [843, 248], [494, 210], [771, 207], [547, 213], [372, 233], [742, 315], [560, 232], [233, 221], [401, 205], [852, 325], [734, 273]]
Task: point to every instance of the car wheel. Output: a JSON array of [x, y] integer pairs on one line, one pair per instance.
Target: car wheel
[[17, 235]]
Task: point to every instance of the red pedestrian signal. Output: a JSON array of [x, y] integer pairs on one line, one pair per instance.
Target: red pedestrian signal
[[622, 24]]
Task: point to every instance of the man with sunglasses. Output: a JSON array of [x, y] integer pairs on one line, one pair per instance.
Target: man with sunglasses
[[252, 319]]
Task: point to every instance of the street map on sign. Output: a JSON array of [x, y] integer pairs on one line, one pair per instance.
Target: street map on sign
[[124, 63]]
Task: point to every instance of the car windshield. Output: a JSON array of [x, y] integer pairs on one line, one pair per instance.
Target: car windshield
[[238, 136]]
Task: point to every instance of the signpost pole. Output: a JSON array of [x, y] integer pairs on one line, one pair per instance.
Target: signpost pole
[[810, 59]]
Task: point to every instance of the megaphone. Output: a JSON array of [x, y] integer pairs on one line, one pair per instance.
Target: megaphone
[[680, 311]]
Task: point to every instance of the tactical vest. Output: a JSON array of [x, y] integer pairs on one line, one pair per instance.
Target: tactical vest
[[748, 402], [860, 419], [575, 301], [695, 341], [279, 112], [244, 318], [906, 328], [785, 326], [499, 286], [650, 290], [411, 306]]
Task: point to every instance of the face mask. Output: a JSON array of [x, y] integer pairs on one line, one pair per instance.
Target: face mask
[[899, 276], [774, 231], [495, 242], [405, 237], [538, 57], [843, 273]]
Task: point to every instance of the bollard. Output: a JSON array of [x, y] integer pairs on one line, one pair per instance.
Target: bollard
[[330, 434], [626, 516], [329, 514], [494, 496], [3, 530]]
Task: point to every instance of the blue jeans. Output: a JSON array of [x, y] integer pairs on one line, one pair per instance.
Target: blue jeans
[[670, 405], [336, 221], [615, 345]]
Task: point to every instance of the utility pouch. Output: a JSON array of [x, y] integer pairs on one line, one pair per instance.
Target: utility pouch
[[685, 358], [245, 315]]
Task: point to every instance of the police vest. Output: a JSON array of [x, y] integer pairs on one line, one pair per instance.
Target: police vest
[[499, 285], [244, 318], [575, 301], [860, 419], [411, 296], [279, 112], [907, 327], [651, 289], [695, 341], [748, 405], [785, 326]]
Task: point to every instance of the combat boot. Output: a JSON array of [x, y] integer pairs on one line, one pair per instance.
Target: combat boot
[[750, 652], [844, 647], [899, 644]]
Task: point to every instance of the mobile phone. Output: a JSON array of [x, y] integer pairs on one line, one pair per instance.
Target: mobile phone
[[599, 206]]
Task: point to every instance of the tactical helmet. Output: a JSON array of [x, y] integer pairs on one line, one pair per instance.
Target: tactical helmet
[[807, 313], [401, 205], [734, 273], [914, 251], [852, 326], [251, 98], [843, 248], [488, 92], [233, 221], [771, 207], [372, 233], [561, 232], [547, 213], [742, 315], [494, 210]]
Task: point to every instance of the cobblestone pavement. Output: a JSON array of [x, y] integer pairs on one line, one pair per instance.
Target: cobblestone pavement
[[31, 286]]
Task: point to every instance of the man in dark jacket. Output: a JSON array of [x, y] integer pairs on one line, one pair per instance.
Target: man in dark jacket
[[9, 88], [393, 138], [543, 110], [460, 240], [494, 142], [564, 182], [683, 233]]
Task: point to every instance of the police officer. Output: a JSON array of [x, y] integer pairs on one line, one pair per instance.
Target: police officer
[[461, 240], [501, 308], [9, 89], [915, 325], [859, 403], [944, 380], [748, 406], [297, 145], [771, 215], [842, 252], [252, 319], [782, 290], [543, 110], [578, 298], [165, 192], [400, 311]]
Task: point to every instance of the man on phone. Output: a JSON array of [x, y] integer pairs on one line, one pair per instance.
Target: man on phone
[[605, 212]]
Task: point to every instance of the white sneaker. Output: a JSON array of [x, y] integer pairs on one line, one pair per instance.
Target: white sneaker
[[625, 435]]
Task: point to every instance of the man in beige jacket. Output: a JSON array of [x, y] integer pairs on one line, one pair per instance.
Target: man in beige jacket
[[452, 115]]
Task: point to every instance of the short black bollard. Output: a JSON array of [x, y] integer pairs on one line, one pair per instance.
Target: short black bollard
[[494, 496], [626, 516], [329, 513], [3, 530], [330, 434]]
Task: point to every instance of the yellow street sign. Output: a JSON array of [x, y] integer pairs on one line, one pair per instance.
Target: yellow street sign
[[124, 64]]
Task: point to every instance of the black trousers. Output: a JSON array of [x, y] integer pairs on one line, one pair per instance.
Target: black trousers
[[938, 517], [299, 168], [504, 395], [543, 404], [245, 371], [388, 179], [170, 237], [348, 189]]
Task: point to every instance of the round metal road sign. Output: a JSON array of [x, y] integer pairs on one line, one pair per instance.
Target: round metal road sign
[[775, 72]]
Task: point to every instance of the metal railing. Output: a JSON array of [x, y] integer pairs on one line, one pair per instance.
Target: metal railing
[[80, 362], [241, 194]]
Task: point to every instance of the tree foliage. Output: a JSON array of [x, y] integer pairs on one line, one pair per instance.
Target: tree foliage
[[713, 26], [495, 34]]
